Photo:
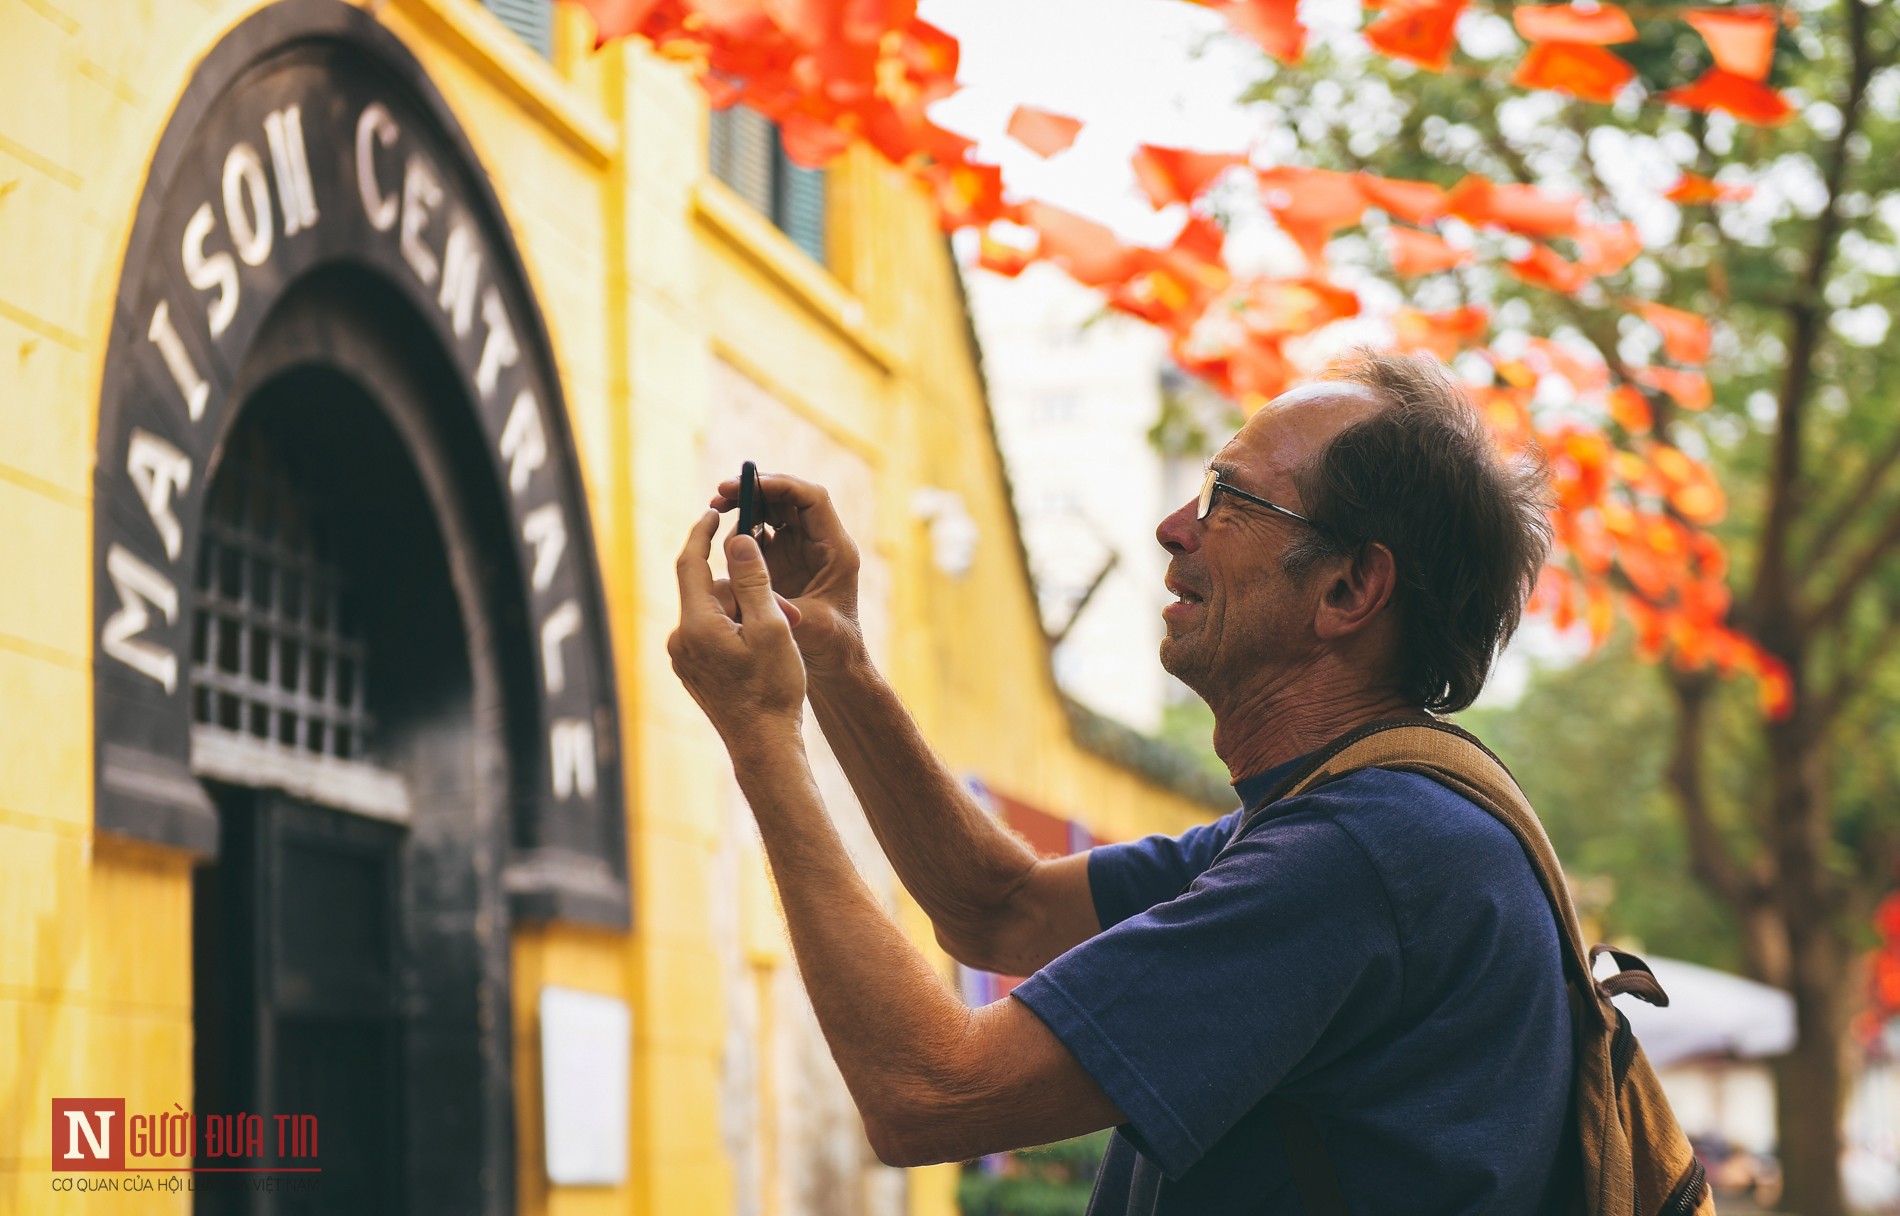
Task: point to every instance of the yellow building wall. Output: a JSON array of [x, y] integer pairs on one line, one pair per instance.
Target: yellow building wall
[[647, 272]]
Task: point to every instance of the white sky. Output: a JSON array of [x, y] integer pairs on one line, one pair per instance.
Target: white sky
[[1134, 72]]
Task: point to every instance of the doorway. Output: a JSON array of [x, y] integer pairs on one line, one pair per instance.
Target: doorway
[[354, 694]]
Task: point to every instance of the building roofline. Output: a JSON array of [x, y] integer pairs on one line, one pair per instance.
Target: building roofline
[[1154, 760]]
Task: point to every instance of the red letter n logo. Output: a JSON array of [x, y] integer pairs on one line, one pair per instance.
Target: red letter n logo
[[88, 1134]]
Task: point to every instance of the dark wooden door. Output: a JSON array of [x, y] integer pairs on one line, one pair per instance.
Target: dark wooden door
[[298, 980]]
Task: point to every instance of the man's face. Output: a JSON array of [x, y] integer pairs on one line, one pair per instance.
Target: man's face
[[1238, 616]]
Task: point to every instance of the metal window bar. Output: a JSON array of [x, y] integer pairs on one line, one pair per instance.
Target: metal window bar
[[275, 651]]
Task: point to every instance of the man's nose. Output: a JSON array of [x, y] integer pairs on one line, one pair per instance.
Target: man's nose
[[1180, 532]]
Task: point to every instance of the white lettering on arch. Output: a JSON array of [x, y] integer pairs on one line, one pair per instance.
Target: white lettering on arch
[[571, 753], [219, 270], [139, 585], [499, 349], [563, 623], [178, 360], [159, 470], [252, 230], [420, 191], [545, 529], [461, 275], [283, 130], [375, 128], [524, 445]]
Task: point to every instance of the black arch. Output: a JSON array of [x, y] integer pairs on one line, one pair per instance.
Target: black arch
[[569, 857]]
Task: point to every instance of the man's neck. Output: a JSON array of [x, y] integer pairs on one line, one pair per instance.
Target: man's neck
[[1268, 730]]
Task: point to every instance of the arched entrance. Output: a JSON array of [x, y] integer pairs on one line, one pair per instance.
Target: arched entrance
[[351, 650], [351, 937]]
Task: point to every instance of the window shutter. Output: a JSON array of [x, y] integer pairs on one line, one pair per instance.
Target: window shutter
[[747, 154], [741, 149], [799, 209], [531, 20]]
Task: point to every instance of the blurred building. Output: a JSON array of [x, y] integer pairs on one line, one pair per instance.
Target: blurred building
[[361, 369], [1103, 437]]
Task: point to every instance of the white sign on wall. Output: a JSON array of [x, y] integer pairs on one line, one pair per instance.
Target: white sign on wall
[[586, 1071]]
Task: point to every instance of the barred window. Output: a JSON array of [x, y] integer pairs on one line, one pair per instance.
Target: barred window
[[277, 653], [748, 154]]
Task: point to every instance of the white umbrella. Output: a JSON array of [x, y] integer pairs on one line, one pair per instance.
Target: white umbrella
[[1710, 1013]]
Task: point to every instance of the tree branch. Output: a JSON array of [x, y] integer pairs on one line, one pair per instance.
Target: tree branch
[[1590, 325], [1724, 246], [1575, 120], [1834, 606], [1773, 595], [1852, 677], [1857, 500], [1709, 857]]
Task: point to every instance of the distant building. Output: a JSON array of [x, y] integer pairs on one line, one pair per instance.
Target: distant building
[[1078, 392]]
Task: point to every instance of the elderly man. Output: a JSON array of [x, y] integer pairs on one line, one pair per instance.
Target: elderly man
[[1376, 955]]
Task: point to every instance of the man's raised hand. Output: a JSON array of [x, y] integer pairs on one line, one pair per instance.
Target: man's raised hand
[[813, 562], [735, 656]]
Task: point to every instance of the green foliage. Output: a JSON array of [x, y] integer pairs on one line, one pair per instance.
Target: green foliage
[[1051, 1181], [1588, 743], [1188, 726]]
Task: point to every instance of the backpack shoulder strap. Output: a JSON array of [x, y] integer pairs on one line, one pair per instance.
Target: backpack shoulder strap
[[1632, 1154], [1457, 760]]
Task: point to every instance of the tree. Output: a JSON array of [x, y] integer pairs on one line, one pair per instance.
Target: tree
[[1589, 742], [1801, 282]]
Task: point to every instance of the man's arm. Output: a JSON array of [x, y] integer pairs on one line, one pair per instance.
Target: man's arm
[[934, 1081], [994, 904]]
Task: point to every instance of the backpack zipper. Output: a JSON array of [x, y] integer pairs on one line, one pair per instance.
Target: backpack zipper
[[1688, 1193]]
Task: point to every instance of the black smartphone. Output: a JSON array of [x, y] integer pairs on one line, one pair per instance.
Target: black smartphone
[[751, 507]]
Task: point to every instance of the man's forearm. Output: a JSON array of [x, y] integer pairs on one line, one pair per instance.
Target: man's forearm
[[958, 863], [891, 1024]]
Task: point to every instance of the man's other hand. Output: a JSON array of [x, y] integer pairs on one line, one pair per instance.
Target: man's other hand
[[813, 561], [735, 654]]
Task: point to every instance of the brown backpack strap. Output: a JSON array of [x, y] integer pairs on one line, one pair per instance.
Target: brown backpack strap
[[1457, 760]]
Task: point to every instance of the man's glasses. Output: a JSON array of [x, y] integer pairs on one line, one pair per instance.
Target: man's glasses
[[1212, 486]]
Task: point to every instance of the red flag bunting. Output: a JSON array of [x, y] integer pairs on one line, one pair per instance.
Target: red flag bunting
[[1746, 99], [1586, 72], [1741, 39], [1175, 175], [1601, 25], [1414, 252], [1041, 132], [1418, 31]]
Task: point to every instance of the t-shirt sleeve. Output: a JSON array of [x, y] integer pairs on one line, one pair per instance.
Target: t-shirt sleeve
[[1280, 956], [1128, 878]]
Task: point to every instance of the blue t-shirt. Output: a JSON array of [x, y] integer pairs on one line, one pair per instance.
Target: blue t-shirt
[[1378, 951]]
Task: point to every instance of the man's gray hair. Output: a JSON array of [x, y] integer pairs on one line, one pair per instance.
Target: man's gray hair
[[1467, 524]]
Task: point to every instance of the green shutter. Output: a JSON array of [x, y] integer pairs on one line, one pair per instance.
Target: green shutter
[[799, 203], [745, 152], [531, 20], [740, 149]]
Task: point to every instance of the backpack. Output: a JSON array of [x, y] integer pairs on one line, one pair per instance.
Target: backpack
[[1629, 1156]]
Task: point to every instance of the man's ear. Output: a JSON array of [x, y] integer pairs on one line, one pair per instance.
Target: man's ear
[[1357, 588]]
